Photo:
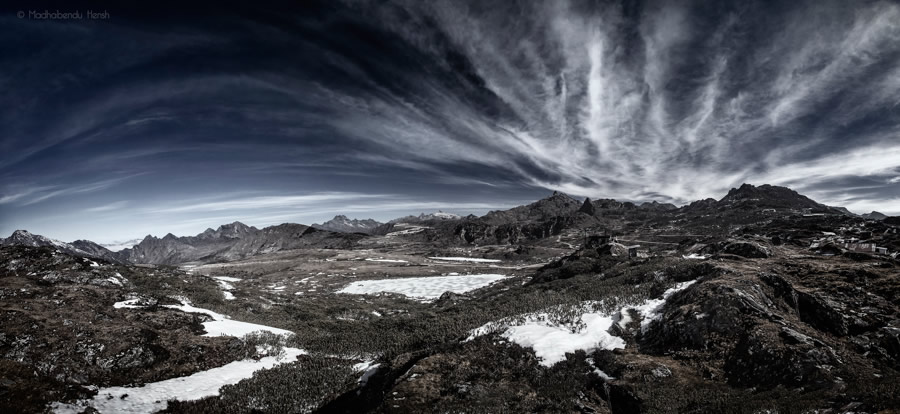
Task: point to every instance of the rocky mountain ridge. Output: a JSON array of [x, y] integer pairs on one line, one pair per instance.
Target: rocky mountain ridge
[[342, 224], [549, 217]]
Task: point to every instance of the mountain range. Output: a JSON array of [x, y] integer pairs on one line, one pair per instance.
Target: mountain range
[[547, 217]]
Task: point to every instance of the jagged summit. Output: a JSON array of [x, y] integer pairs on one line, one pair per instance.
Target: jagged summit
[[233, 230], [439, 215], [343, 224], [587, 207]]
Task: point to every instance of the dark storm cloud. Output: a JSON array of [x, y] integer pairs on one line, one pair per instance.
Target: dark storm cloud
[[444, 102]]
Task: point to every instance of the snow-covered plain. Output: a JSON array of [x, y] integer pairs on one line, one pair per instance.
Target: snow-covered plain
[[422, 288], [154, 396], [466, 259], [387, 260], [551, 341], [694, 256]]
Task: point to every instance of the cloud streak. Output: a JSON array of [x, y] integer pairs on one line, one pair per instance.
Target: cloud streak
[[346, 104]]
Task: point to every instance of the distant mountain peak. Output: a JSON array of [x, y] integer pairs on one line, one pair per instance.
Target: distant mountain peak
[[21, 233], [440, 215], [874, 215], [343, 224], [559, 195], [78, 248]]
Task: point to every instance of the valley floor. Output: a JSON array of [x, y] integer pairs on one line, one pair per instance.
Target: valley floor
[[570, 329]]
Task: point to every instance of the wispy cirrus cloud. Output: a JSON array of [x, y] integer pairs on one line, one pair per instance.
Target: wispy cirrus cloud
[[115, 206], [694, 104], [358, 102], [27, 195], [265, 202]]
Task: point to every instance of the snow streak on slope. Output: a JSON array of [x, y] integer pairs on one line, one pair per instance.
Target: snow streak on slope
[[153, 397], [220, 325]]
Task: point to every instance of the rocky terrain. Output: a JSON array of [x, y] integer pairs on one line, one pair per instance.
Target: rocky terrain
[[762, 301]]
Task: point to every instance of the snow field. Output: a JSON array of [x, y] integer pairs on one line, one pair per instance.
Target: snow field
[[422, 288], [551, 340]]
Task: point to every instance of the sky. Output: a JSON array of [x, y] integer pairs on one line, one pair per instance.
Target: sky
[[144, 121]]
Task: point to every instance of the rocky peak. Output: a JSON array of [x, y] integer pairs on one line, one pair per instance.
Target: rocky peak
[[587, 207], [26, 238], [20, 236], [233, 230], [768, 196], [440, 215], [874, 215], [343, 224]]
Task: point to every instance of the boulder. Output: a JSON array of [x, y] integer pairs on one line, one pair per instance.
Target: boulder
[[746, 249]]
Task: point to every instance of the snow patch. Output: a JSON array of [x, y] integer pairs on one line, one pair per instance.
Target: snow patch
[[423, 288], [368, 368], [221, 325], [387, 260], [466, 259], [130, 304], [651, 310], [551, 340], [153, 397], [227, 278]]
